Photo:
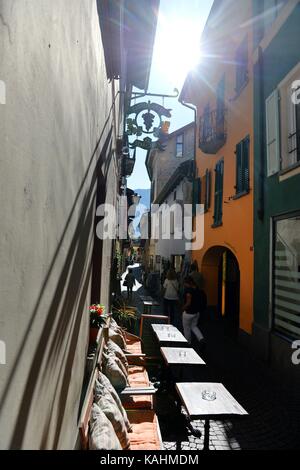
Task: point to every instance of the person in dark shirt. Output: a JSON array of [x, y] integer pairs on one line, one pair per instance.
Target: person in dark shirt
[[196, 276], [191, 310], [129, 282]]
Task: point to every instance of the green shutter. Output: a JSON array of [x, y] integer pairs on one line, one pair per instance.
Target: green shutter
[[246, 145], [196, 193], [207, 190], [218, 193], [273, 133], [221, 190], [242, 166], [239, 168]]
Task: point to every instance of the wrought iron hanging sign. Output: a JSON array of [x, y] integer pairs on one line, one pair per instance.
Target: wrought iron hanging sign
[[148, 119]]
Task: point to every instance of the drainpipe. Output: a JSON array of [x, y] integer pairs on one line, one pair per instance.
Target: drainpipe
[[261, 188], [194, 109]]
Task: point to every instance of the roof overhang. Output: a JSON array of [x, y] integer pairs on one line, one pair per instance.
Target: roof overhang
[[128, 25], [185, 170]]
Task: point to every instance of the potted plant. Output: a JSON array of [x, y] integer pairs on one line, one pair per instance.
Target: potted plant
[[124, 315], [98, 317]]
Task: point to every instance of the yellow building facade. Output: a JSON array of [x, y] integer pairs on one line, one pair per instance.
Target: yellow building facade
[[222, 90]]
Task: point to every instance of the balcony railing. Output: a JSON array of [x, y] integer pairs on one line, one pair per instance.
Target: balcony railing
[[213, 131], [294, 145]]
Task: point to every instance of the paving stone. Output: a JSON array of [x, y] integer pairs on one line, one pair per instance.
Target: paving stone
[[274, 407]]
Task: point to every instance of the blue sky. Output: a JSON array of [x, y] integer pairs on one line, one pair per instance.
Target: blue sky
[[179, 28]]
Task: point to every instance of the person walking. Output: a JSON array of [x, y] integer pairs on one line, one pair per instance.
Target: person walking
[[129, 283], [171, 288], [196, 276], [193, 299]]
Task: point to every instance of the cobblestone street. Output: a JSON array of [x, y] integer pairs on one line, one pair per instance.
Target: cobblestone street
[[274, 410], [273, 406]]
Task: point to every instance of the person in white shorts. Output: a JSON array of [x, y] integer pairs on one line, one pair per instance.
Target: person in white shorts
[[191, 310]]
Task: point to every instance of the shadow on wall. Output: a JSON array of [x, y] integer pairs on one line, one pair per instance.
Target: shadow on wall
[[65, 312]]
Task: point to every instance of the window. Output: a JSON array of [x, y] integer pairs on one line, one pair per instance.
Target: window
[[220, 113], [286, 277], [289, 91], [179, 145], [242, 166], [206, 129], [242, 66], [172, 221], [272, 133], [218, 209], [221, 100], [153, 191], [294, 132]]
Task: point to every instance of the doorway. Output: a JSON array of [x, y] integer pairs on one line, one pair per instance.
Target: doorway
[[229, 301], [221, 273]]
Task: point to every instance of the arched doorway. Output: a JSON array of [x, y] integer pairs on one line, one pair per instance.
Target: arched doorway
[[220, 269]]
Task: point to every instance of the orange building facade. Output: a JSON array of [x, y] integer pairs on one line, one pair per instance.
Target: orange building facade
[[222, 91]]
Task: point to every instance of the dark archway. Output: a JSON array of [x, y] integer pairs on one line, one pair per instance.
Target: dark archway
[[221, 273]]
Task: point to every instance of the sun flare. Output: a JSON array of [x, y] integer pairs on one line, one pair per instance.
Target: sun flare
[[177, 48]]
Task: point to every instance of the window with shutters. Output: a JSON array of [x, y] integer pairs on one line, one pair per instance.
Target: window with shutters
[[242, 167], [220, 102], [289, 90], [272, 133], [218, 207], [286, 276], [206, 128], [242, 75]]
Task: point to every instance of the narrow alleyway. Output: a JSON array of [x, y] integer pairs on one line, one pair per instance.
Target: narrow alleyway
[[273, 406]]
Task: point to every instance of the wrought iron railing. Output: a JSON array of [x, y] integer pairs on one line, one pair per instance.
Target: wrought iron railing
[[294, 145], [213, 130]]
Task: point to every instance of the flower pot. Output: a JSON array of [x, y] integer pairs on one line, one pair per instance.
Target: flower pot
[[93, 335]]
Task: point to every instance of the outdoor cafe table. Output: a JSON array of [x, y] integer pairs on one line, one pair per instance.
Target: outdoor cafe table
[[181, 359], [224, 406], [181, 356], [169, 334], [148, 303], [145, 297]]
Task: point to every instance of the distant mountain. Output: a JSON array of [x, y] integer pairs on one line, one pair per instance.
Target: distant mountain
[[145, 199]]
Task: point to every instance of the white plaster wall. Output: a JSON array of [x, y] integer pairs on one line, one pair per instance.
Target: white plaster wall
[[168, 247], [57, 104]]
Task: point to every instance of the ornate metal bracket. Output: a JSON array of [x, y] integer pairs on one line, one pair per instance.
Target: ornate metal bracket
[[135, 95]]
